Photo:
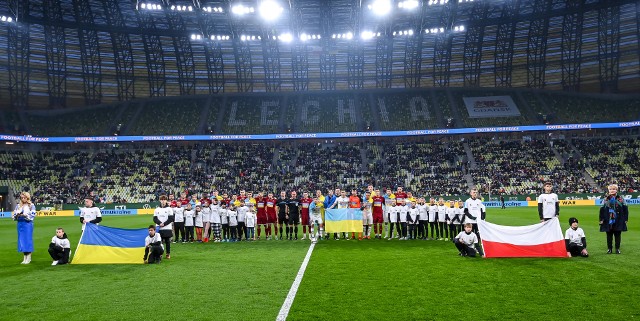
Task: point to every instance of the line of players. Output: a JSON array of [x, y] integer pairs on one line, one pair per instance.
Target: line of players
[[221, 218]]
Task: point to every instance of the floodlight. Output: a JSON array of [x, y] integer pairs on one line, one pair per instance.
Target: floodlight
[[380, 7], [270, 10]]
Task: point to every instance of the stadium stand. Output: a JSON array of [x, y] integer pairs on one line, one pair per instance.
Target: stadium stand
[[326, 113], [170, 117], [522, 167], [251, 115], [584, 109], [92, 122], [406, 111], [612, 160]]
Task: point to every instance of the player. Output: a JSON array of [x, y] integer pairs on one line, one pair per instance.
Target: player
[[272, 216], [394, 213], [474, 210], [315, 219], [367, 216], [389, 200], [452, 217], [261, 215], [153, 249], [575, 240], [355, 202], [423, 219], [206, 218], [305, 203], [378, 213], [442, 220], [90, 213], [467, 242], [341, 202], [433, 217], [163, 217], [548, 204]]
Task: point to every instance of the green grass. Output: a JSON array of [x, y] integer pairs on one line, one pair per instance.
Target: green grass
[[345, 280]]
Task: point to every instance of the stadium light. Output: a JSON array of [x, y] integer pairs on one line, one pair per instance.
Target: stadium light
[[366, 35], [6, 19], [304, 37], [241, 10], [380, 7], [408, 5], [286, 37], [270, 10]]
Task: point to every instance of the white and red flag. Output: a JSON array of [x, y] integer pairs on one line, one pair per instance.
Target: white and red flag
[[538, 240]]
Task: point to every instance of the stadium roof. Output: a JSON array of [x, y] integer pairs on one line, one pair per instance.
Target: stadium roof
[[59, 53]]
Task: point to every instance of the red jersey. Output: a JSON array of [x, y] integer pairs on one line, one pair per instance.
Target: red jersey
[[203, 200], [242, 198], [261, 205], [184, 201], [354, 202], [400, 197], [271, 205], [226, 201], [305, 203], [378, 201]]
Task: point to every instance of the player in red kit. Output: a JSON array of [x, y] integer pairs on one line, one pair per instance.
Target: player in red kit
[[400, 196], [261, 214], [272, 215], [305, 202], [378, 213]]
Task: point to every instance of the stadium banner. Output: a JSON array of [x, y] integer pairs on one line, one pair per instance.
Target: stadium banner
[[110, 245], [538, 240], [506, 204], [145, 211], [55, 213], [105, 212], [491, 106], [343, 220], [400, 133], [628, 201]]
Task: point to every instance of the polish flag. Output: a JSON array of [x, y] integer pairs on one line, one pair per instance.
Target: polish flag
[[538, 240]]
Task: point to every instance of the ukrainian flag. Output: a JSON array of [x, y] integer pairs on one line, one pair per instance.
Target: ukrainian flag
[[343, 220], [109, 245]]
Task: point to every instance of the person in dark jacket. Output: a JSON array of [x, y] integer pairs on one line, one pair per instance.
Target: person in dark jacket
[[614, 215]]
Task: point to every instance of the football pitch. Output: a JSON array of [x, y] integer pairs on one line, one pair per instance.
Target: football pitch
[[344, 280]]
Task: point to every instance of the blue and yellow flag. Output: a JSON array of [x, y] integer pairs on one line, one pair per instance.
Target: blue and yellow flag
[[109, 245], [343, 220]]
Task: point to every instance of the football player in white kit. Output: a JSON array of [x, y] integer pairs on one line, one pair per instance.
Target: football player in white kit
[[548, 204], [315, 220], [474, 210], [90, 213], [442, 220], [367, 215]]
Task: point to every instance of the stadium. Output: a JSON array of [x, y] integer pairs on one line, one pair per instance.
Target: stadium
[[115, 104]]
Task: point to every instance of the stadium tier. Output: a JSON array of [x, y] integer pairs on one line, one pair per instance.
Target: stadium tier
[[326, 112]]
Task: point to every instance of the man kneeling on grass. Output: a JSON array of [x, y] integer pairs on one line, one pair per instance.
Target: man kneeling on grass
[[467, 242], [153, 249]]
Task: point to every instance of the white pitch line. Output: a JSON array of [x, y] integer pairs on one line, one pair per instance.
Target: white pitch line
[[286, 306]]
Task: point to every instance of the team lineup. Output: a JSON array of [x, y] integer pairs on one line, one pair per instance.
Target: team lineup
[[389, 215]]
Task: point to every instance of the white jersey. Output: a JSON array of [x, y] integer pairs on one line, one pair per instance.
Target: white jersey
[[548, 202], [404, 210], [198, 219], [442, 212], [63, 243], [423, 211], [250, 219], [206, 213], [394, 212], [452, 212], [89, 214], [163, 214], [433, 211], [178, 214], [388, 204], [574, 237], [156, 238], [188, 217], [460, 214], [233, 218], [413, 213], [475, 208], [224, 216], [215, 214], [242, 213], [342, 202], [470, 239]]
